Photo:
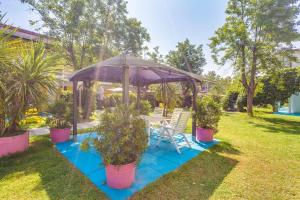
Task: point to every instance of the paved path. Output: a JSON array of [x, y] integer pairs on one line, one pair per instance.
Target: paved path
[[45, 130]]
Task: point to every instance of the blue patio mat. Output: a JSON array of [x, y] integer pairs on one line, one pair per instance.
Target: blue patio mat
[[156, 162]]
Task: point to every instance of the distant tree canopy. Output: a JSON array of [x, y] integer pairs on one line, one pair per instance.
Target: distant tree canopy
[[254, 37], [155, 55], [187, 56], [216, 84], [278, 87], [90, 30]]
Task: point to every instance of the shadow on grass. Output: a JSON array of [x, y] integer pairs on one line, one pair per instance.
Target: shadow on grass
[[197, 179], [279, 125], [225, 147], [40, 168]]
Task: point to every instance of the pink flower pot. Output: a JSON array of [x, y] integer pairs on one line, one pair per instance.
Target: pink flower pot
[[60, 135], [14, 144], [204, 135], [120, 177]]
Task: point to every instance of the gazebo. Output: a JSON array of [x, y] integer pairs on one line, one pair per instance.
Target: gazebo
[[127, 69]]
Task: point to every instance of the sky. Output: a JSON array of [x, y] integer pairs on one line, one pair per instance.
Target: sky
[[167, 21]]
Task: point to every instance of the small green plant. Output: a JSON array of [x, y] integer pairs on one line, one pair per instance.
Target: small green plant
[[229, 101], [122, 136], [61, 114], [208, 113], [145, 107], [241, 102]]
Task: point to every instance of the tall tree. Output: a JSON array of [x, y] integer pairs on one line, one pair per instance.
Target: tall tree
[[253, 38], [90, 30], [216, 84], [155, 55], [188, 57]]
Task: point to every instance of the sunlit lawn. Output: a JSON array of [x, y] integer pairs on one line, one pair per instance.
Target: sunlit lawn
[[259, 158]]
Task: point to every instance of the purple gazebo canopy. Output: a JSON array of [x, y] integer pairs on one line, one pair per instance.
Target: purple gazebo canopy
[[127, 70], [141, 72]]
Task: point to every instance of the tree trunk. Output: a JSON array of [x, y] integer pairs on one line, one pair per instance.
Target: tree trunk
[[275, 107], [87, 100], [251, 87], [250, 96]]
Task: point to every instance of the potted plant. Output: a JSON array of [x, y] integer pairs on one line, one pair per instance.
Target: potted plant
[[59, 122], [207, 116], [121, 141], [27, 76]]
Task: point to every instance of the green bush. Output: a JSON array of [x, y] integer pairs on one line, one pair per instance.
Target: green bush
[[229, 101], [150, 97], [241, 103], [217, 98], [132, 98], [116, 99], [145, 107], [61, 114], [208, 113], [122, 136]]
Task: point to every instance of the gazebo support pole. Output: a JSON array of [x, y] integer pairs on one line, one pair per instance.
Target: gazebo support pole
[[138, 97], [125, 85], [75, 110], [195, 91]]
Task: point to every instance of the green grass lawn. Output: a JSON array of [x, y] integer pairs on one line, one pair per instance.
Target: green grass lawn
[[258, 158]]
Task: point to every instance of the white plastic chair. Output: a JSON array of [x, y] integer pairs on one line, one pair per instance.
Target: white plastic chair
[[158, 111], [174, 130], [156, 117]]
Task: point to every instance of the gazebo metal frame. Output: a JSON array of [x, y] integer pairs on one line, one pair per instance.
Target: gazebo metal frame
[[127, 69]]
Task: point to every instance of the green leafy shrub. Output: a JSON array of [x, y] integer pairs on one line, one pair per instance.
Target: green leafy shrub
[[145, 107], [67, 95], [217, 98], [229, 101], [122, 136], [132, 98], [208, 113], [61, 114], [112, 100], [166, 94], [241, 103], [151, 98], [116, 99]]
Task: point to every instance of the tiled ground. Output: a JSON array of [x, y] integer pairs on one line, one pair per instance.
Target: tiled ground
[[156, 162]]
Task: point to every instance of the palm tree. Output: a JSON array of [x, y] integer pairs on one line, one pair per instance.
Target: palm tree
[[8, 49], [30, 80]]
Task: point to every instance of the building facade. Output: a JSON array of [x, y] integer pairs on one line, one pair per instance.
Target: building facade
[[294, 101]]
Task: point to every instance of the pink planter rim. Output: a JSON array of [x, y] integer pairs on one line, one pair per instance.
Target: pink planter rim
[[60, 128], [60, 135], [14, 144], [120, 176], [16, 135], [204, 135]]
